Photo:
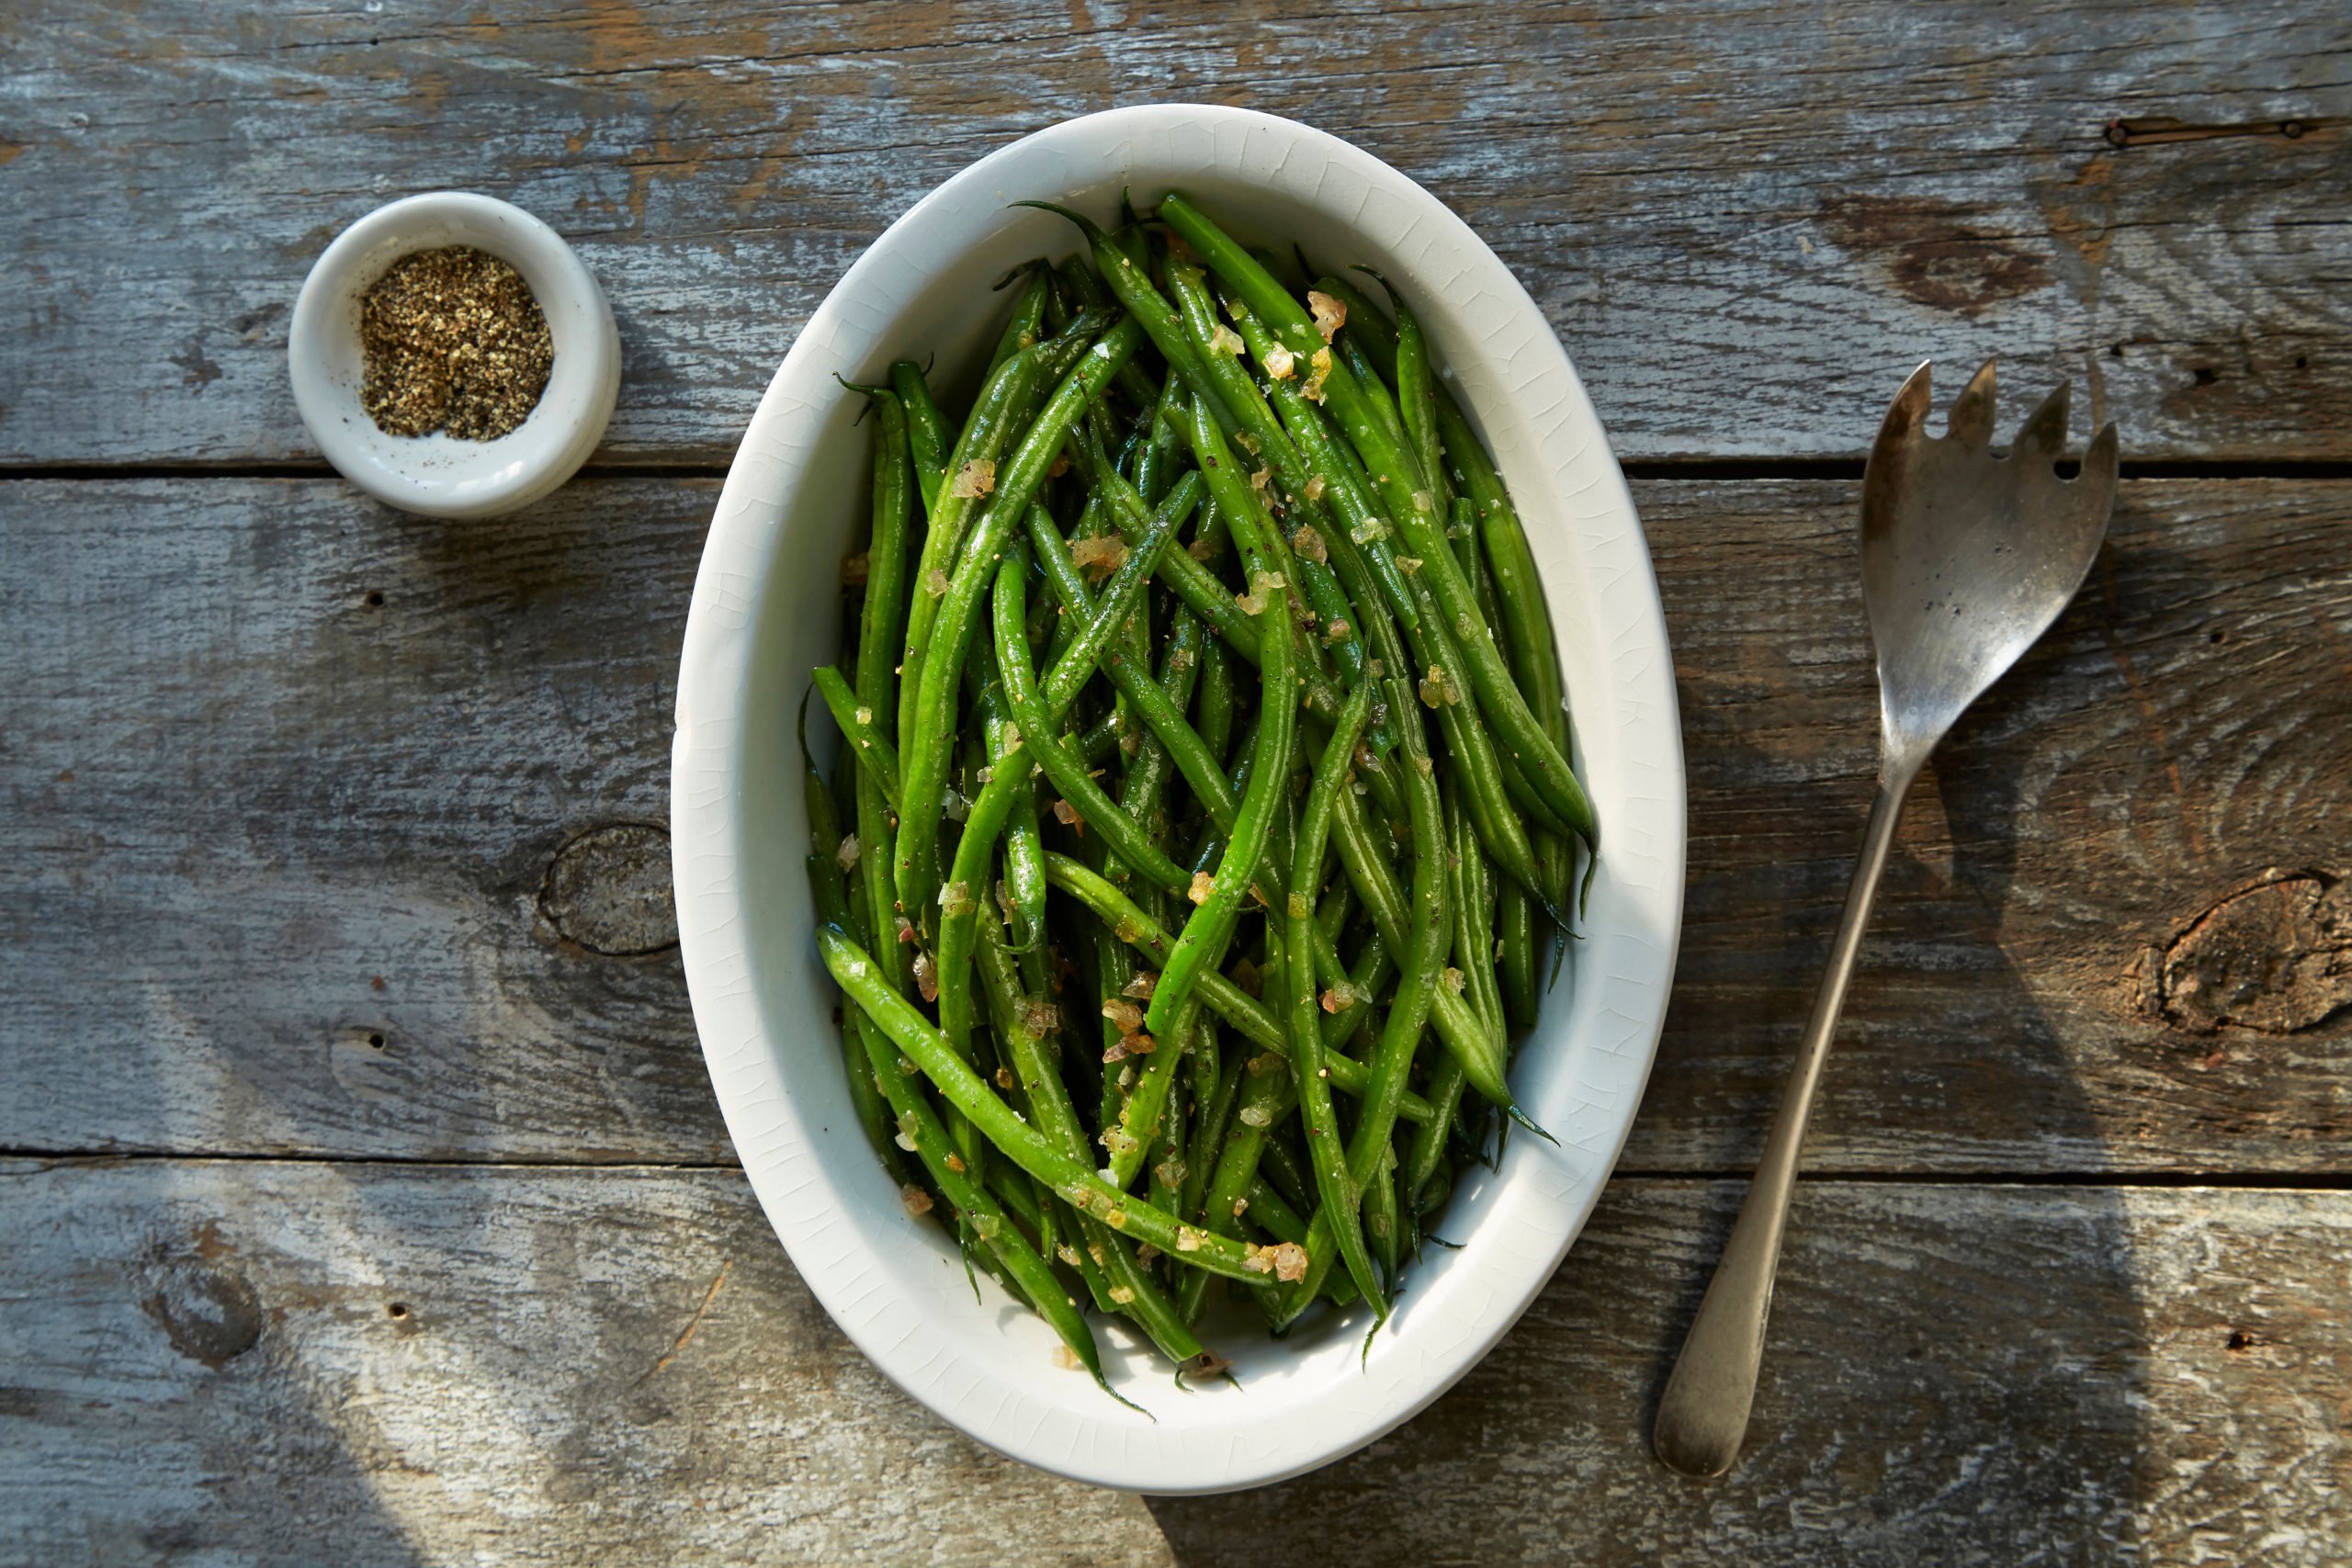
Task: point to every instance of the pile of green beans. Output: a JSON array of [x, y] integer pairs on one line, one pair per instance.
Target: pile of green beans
[[1203, 800]]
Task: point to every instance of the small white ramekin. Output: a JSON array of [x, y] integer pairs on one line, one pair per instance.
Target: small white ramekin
[[437, 475]]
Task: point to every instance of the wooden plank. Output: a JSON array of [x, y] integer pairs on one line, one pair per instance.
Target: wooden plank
[[310, 843], [1746, 221], [358, 1363]]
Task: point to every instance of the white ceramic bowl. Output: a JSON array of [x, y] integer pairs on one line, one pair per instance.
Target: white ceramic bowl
[[766, 609], [434, 474]]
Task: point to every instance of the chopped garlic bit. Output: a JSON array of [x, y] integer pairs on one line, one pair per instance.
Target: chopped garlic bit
[[955, 1164], [1187, 1239], [857, 968], [1122, 1294], [1309, 544], [1371, 531], [1004, 1079], [1124, 1014], [1064, 1357], [1250, 604], [1241, 1205], [1224, 340], [1098, 557], [1290, 1262], [1456, 979], [854, 571], [1204, 884], [1337, 631], [1426, 767], [934, 583], [1168, 1173], [917, 1201], [1258, 481], [1142, 986], [1066, 814], [1012, 736], [1339, 997], [987, 1225], [1067, 1253], [1039, 1017], [1146, 1253], [1315, 487], [1246, 976], [1439, 689], [1321, 364], [1299, 908], [955, 898], [865, 713], [1267, 581], [1256, 1116], [927, 976], [974, 480], [1330, 315], [1409, 564], [1280, 363], [1424, 501], [1260, 1261], [1119, 1142], [847, 854]]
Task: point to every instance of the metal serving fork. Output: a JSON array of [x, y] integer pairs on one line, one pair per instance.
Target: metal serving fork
[[1967, 559]]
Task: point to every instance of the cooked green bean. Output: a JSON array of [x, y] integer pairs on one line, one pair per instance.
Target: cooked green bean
[[1327, 1156], [1072, 1180]]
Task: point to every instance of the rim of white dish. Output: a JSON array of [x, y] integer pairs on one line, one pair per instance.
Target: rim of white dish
[[1547, 437], [434, 474]]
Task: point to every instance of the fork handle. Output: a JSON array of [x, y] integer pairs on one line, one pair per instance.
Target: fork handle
[[1703, 1413]]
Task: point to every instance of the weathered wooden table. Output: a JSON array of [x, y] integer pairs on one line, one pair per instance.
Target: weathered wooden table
[[363, 1198]]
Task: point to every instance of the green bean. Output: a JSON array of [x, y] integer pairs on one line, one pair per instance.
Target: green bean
[[1376, 883], [861, 728], [924, 750], [1420, 981], [1048, 1099], [1326, 1154], [928, 436], [1473, 942], [865, 1097], [1162, 710], [1445, 1085], [1072, 1180], [1218, 993], [1382, 1222], [1119, 830], [1028, 322], [1392, 468], [983, 437], [1201, 945], [1216, 1093], [1029, 1271], [1269, 1089]]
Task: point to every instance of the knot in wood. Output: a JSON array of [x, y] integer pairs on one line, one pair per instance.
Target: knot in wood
[[608, 892], [2275, 957]]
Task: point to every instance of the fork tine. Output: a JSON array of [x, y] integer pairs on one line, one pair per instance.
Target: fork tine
[[2101, 463], [1908, 412], [2042, 437], [1971, 422]]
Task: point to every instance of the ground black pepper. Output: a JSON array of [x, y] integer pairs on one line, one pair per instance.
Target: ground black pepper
[[452, 340]]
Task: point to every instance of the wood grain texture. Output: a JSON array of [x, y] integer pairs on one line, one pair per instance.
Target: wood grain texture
[[394, 1364], [1746, 221], [350, 873]]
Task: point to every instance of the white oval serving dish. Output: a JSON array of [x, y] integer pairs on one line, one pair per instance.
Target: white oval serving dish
[[767, 610]]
